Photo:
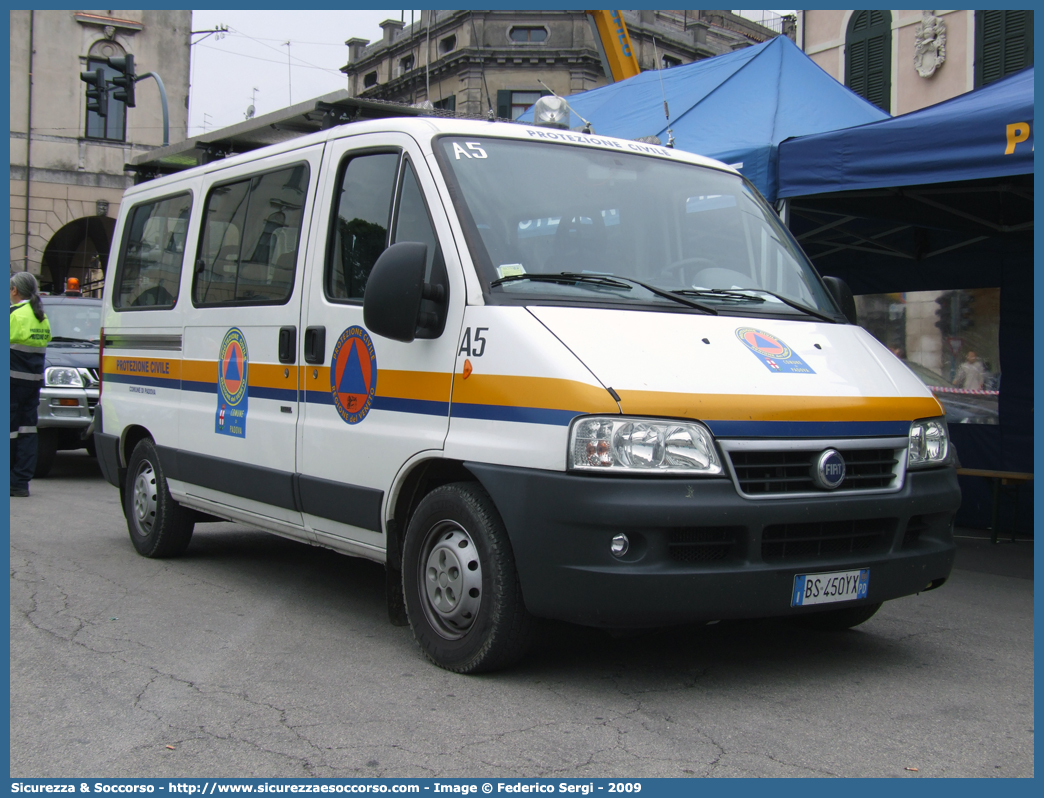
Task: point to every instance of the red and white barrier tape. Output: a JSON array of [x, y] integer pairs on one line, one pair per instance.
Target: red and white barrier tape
[[940, 389]]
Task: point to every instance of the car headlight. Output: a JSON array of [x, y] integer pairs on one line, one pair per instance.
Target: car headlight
[[929, 443], [63, 377], [642, 445]]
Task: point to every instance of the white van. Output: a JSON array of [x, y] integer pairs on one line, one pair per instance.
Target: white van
[[535, 373]]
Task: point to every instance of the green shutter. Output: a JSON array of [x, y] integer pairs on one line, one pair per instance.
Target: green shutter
[[504, 104], [868, 56], [1003, 44]]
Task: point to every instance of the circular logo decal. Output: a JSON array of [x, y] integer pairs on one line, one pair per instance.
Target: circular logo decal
[[829, 471], [353, 374], [763, 343], [232, 367]]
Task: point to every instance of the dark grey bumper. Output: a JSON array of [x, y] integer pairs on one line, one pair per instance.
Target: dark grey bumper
[[699, 551]]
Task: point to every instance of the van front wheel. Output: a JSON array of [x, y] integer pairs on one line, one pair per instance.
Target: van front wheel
[[462, 593], [158, 525]]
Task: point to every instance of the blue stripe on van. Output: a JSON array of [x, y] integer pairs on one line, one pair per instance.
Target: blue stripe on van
[[276, 394], [524, 415], [421, 406], [139, 379], [199, 387], [807, 429]]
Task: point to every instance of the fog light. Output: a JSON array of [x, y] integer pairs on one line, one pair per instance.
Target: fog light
[[619, 546]]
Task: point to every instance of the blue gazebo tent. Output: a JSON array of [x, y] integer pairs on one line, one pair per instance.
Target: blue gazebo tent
[[937, 199], [736, 107], [981, 134]]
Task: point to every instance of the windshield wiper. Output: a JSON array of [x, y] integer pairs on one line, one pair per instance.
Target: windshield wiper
[[609, 280], [565, 278], [718, 293], [63, 339], [796, 305]]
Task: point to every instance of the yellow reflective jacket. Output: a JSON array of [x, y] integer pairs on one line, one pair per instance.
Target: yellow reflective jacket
[[29, 339]]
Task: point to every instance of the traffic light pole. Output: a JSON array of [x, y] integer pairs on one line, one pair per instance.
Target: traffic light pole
[[163, 101]]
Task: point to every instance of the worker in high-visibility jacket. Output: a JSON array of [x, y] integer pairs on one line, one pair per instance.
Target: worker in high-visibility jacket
[[30, 333]]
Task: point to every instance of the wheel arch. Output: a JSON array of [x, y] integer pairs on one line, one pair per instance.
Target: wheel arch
[[131, 436], [417, 482]]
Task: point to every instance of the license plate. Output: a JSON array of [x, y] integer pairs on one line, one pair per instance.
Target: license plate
[[830, 587]]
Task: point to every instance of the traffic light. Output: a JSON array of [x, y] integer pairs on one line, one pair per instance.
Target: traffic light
[[124, 65], [97, 91], [945, 313], [965, 306]]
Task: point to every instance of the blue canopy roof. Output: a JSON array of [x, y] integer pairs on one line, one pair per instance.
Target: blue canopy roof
[[735, 107], [982, 134]]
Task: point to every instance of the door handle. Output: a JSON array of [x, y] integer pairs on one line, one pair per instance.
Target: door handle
[[288, 345], [315, 345]]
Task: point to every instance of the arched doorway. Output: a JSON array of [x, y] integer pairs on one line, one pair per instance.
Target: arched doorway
[[79, 249]]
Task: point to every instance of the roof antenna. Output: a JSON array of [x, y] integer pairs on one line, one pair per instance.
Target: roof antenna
[[666, 112], [491, 115], [587, 125]]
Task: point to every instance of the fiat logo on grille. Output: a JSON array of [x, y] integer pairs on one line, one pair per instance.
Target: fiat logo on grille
[[829, 470]]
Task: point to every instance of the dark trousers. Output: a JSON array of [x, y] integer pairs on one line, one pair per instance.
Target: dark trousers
[[25, 401]]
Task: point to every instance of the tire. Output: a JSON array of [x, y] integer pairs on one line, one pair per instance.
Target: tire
[[89, 446], [837, 620], [46, 449], [158, 525], [461, 590]]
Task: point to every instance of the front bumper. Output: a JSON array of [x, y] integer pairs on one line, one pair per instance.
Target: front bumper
[[70, 408], [699, 551]]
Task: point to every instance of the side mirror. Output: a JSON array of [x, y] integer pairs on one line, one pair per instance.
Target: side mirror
[[842, 295], [397, 302]]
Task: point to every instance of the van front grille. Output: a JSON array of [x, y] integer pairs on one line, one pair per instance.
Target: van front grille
[[826, 539], [773, 472], [702, 544]]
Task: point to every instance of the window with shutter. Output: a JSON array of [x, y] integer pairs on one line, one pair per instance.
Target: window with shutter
[[868, 57], [1003, 44]]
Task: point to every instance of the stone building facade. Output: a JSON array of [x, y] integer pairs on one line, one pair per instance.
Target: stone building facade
[[67, 176], [471, 62], [907, 60]]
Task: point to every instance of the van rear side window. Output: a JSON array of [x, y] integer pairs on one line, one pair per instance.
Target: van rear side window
[[152, 253], [248, 245]]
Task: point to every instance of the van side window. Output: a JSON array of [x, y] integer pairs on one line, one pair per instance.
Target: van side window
[[412, 222], [152, 252], [248, 245], [359, 232]]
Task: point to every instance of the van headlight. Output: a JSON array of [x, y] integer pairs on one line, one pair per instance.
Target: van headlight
[[642, 445], [63, 377], [929, 443]]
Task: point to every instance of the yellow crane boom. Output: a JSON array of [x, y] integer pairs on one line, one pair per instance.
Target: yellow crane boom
[[615, 44]]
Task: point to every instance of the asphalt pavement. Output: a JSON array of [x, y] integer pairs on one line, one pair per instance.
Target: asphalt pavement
[[257, 656]]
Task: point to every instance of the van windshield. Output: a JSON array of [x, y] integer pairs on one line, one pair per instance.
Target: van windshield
[[605, 226]]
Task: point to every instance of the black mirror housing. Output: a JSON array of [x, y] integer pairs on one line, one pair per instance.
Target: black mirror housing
[[842, 295], [398, 303]]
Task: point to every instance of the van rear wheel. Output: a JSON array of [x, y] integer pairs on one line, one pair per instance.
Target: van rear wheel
[[158, 525], [462, 593]]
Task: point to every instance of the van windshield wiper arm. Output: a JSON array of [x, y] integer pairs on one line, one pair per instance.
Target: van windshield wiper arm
[[796, 305], [609, 280], [718, 293], [565, 278]]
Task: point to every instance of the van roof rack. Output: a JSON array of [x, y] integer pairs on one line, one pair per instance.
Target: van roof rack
[[310, 116]]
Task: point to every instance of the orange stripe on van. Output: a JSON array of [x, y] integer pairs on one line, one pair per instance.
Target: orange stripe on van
[[743, 407], [535, 392], [136, 366]]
